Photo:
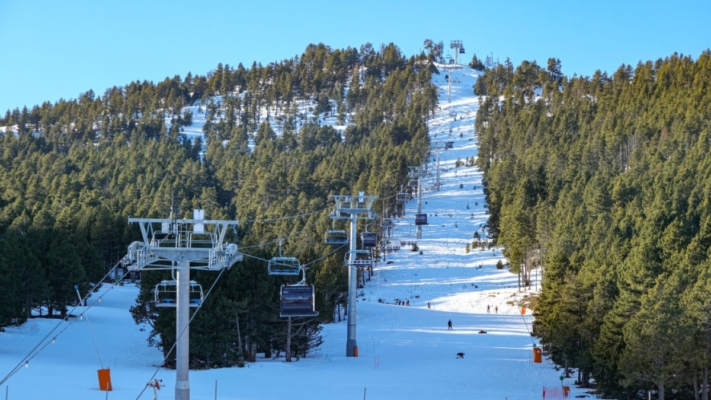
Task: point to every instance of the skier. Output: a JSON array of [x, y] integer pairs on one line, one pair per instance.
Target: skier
[[449, 325]]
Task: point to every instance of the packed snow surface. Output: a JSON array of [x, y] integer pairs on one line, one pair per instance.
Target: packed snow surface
[[405, 352]]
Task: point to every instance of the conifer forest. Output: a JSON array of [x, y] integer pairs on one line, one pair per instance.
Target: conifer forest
[[601, 182]]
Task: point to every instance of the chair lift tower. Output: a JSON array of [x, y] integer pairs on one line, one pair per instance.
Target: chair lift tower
[[352, 207], [420, 218], [181, 245], [437, 147], [458, 48]]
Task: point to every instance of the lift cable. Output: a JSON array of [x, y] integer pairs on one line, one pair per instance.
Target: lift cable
[[304, 265], [259, 221], [43, 343]]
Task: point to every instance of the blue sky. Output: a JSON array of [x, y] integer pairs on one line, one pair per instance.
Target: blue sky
[[59, 49]]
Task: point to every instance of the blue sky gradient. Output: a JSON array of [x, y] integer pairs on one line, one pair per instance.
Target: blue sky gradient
[[60, 49]]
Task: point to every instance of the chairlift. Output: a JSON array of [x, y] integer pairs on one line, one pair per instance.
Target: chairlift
[[336, 237], [402, 197], [461, 50], [284, 266], [420, 219], [368, 239], [359, 258], [166, 294], [449, 145], [297, 301]]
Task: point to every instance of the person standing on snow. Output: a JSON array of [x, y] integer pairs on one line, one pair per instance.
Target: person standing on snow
[[449, 325]]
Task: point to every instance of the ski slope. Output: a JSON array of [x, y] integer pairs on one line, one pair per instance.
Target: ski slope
[[405, 352]]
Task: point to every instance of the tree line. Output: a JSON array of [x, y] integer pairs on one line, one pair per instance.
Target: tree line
[[604, 183], [72, 172]]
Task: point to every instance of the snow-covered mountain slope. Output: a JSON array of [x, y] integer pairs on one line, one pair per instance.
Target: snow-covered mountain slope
[[404, 352]]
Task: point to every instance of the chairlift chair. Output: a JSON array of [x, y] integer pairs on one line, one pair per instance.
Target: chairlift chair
[[449, 145], [420, 219], [368, 239], [297, 301], [461, 50], [284, 266], [359, 258], [166, 294], [336, 237], [402, 197]]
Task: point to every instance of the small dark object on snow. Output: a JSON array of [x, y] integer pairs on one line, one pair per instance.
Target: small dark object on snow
[[482, 331], [460, 355]]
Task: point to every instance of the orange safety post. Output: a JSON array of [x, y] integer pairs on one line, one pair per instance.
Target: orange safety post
[[355, 351], [105, 379], [523, 309], [537, 354], [566, 391]]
